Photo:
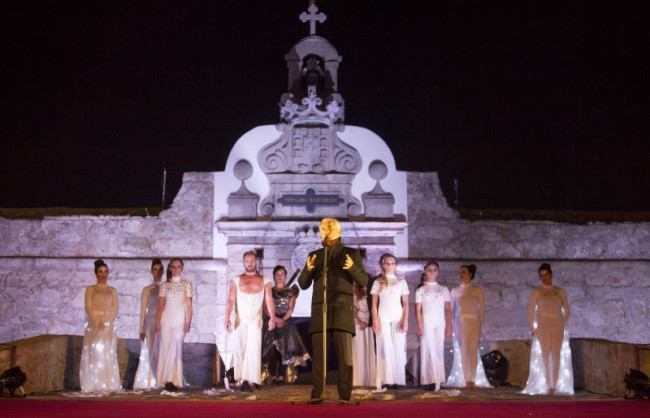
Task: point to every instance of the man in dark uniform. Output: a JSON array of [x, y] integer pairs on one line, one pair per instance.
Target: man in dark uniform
[[344, 265]]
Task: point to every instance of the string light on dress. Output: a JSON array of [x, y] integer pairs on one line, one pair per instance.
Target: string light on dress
[[536, 384]]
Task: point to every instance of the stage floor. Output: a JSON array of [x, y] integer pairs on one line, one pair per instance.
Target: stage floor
[[300, 393], [291, 401]]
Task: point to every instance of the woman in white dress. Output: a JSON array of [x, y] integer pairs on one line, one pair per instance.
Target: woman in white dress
[[551, 371], [145, 376], [98, 370], [390, 310], [468, 312], [433, 316], [363, 343], [173, 320]]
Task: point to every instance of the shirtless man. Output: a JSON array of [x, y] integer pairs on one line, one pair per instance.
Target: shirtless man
[[247, 294]]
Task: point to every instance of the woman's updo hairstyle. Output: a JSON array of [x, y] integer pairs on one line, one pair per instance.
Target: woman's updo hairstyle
[[98, 264], [155, 262], [423, 277], [545, 266], [472, 270]]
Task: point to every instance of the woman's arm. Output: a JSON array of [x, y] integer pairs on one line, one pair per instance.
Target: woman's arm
[[532, 302], [481, 305], [115, 306], [448, 319], [405, 313], [270, 306], [230, 303], [143, 309], [375, 319], [159, 312], [565, 304], [88, 305], [188, 314], [418, 318]]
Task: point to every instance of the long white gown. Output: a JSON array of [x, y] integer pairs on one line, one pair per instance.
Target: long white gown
[[433, 297], [171, 335], [247, 355], [145, 376], [98, 370], [363, 346], [391, 342]]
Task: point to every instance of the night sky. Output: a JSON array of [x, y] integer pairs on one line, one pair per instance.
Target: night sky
[[529, 104]]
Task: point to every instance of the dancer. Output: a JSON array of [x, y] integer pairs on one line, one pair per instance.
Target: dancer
[[173, 321], [390, 316], [468, 312], [98, 370], [344, 266], [363, 343], [145, 376], [248, 292], [551, 371], [283, 350], [433, 316]]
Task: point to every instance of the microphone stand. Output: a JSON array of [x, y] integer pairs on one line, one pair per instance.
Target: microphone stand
[[323, 394]]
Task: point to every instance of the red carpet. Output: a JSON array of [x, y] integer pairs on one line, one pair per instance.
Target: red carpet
[[106, 408]]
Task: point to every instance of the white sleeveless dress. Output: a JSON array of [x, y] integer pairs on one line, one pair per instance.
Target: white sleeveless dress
[[247, 353]]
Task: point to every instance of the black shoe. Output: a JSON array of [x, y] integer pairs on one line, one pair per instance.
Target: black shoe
[[256, 386], [246, 387], [170, 387]]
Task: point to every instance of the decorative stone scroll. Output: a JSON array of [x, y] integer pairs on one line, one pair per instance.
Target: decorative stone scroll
[[309, 149]]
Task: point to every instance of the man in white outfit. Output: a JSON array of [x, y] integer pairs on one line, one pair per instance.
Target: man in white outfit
[[247, 294]]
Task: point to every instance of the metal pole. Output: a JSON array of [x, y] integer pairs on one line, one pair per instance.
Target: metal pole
[[164, 185], [324, 323]]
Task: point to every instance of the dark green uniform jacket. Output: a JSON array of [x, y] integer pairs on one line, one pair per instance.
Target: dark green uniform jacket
[[340, 303]]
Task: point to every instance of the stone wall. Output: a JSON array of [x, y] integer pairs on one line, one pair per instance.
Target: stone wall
[[602, 267], [46, 265], [46, 296], [183, 230]]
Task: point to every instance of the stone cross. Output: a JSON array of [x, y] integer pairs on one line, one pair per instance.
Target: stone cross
[[313, 17]]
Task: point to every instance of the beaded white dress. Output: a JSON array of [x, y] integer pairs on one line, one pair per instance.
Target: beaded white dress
[[433, 297], [98, 370], [171, 335], [247, 354], [391, 341], [145, 376]]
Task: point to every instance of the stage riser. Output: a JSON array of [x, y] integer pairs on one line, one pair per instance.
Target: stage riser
[[52, 362]]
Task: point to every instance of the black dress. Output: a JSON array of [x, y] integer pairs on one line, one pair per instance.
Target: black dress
[[282, 348]]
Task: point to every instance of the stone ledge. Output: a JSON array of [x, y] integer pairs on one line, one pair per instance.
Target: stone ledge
[[51, 362]]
